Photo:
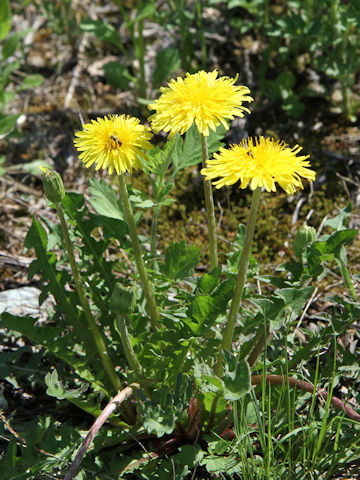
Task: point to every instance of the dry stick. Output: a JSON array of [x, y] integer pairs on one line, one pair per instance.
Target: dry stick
[[307, 387], [99, 422]]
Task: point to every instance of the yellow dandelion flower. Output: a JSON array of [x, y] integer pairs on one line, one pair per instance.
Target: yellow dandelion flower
[[261, 163], [201, 99], [114, 142]]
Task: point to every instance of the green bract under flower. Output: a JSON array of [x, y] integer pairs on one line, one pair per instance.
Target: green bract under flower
[[114, 142], [261, 162], [201, 99]]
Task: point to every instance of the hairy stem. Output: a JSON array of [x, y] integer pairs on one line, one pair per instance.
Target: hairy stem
[[209, 206], [154, 224], [240, 280], [150, 299]]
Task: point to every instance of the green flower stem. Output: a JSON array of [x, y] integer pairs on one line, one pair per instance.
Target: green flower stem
[[154, 224], [150, 299], [209, 205], [126, 343], [240, 280], [96, 334]]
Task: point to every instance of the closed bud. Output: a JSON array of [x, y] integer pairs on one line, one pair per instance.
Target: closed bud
[[304, 235], [122, 299], [53, 186]]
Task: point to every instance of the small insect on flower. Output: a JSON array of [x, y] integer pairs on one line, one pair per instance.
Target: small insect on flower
[[116, 140], [260, 163], [115, 143]]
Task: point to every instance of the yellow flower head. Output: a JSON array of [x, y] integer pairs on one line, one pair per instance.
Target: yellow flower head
[[114, 142], [201, 98], [260, 163]]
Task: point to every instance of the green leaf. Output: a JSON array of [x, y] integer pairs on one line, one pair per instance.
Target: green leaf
[[33, 167], [204, 309], [5, 18], [205, 378], [103, 31], [339, 222], [214, 139], [159, 414], [331, 246], [56, 388], [295, 299], [167, 202], [8, 123], [26, 326], [53, 339], [5, 73], [53, 281], [159, 422], [2, 169], [189, 154], [209, 281], [199, 310], [215, 464], [236, 379], [147, 11], [36, 238], [167, 62], [165, 191], [185, 459], [290, 300], [31, 81], [180, 260], [11, 43], [157, 161], [112, 228], [118, 75], [104, 201], [140, 199]]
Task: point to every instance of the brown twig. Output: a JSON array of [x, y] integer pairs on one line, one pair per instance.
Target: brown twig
[[307, 387], [99, 422]]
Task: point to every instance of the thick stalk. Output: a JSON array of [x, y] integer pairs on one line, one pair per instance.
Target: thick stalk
[[126, 343], [96, 334], [209, 206], [154, 224], [240, 280], [150, 299]]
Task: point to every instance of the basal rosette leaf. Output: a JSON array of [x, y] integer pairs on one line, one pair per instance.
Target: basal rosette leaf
[[236, 380], [180, 260], [56, 388], [161, 412]]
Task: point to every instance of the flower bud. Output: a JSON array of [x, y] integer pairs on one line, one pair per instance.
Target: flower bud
[[122, 299], [304, 235], [53, 185]]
